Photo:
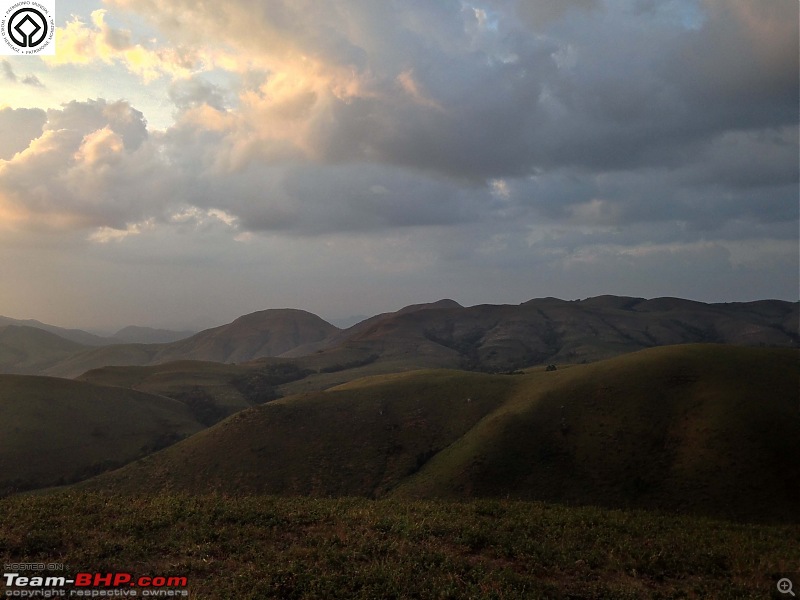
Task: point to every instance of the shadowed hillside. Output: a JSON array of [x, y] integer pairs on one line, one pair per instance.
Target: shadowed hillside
[[28, 350], [492, 338], [358, 441], [708, 429], [211, 390], [700, 428], [54, 431], [547, 330]]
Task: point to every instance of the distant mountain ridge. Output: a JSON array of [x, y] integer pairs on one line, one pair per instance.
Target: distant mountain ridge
[[257, 335], [28, 350], [74, 335], [445, 334], [501, 337], [148, 335]]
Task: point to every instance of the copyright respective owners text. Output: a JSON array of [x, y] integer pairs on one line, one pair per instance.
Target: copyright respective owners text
[[27, 27], [54, 580]]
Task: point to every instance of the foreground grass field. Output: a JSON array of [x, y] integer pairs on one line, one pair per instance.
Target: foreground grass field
[[257, 547]]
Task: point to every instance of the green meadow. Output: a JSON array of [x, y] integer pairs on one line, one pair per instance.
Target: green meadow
[[260, 547]]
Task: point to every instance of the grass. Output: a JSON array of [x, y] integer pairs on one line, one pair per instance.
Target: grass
[[705, 429], [357, 439], [700, 428], [260, 547], [55, 431]]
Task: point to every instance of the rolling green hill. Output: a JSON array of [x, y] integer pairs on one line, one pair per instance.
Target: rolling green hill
[[705, 428], [356, 441], [700, 428], [54, 431], [211, 390]]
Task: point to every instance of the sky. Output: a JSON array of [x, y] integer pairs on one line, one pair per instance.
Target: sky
[[179, 163]]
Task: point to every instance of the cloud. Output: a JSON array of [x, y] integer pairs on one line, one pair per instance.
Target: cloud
[[19, 126], [80, 43], [89, 167], [10, 75], [477, 93], [539, 13], [489, 125], [8, 72]]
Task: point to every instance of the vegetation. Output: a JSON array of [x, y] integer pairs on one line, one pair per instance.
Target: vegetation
[[705, 429], [260, 547], [57, 431], [260, 385]]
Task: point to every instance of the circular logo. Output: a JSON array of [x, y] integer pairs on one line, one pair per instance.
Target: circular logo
[[27, 27]]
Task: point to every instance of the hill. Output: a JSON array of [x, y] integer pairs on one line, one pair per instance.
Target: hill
[[700, 428], [29, 349], [549, 330], [211, 390], [445, 334], [262, 334], [74, 335], [54, 431]]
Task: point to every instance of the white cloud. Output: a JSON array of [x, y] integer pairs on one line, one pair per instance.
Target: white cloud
[[444, 143], [81, 43]]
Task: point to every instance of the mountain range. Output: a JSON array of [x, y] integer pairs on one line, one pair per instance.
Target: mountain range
[[439, 334], [616, 401]]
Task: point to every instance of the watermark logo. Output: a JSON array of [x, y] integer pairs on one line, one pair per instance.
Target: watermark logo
[[27, 27]]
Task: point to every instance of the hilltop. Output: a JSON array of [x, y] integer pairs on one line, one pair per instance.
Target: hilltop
[[705, 429], [261, 334]]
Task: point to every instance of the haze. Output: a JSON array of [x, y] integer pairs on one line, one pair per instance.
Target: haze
[[177, 162]]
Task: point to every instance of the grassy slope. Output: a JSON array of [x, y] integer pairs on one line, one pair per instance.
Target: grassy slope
[[707, 429], [56, 430], [178, 379], [359, 439], [256, 548], [704, 428]]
